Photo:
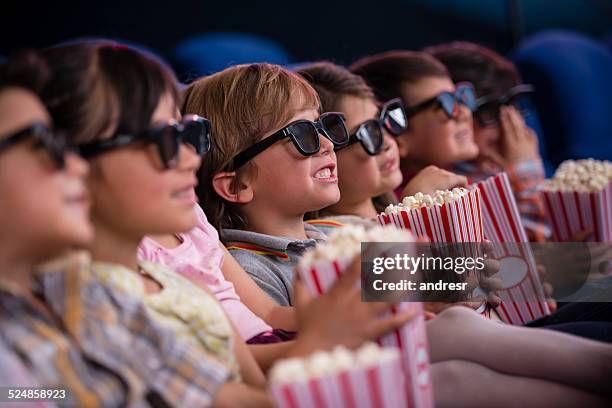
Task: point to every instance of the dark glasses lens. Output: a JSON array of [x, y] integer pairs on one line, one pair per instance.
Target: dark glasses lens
[[196, 132], [305, 136], [394, 118], [466, 96], [448, 104], [371, 137], [488, 114], [333, 125], [54, 143], [167, 140]]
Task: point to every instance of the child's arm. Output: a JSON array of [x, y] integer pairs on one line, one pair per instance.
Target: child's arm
[[267, 354], [279, 317], [250, 370], [236, 395]]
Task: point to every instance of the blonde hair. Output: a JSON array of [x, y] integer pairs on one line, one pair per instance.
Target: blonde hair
[[244, 103]]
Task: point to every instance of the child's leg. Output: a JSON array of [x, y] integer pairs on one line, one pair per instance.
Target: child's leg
[[464, 384], [460, 334]]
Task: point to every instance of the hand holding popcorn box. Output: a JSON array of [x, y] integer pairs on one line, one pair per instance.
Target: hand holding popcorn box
[[321, 267], [522, 295], [371, 377], [579, 197], [447, 216]]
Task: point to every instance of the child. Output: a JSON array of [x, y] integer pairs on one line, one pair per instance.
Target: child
[[35, 349], [369, 166], [439, 129], [505, 142], [119, 106], [273, 162]]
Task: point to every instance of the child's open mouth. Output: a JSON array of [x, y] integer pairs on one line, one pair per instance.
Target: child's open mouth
[[326, 174]]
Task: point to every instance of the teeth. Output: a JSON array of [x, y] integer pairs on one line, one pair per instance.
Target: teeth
[[323, 173]]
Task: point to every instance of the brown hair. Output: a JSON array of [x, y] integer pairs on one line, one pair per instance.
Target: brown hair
[[25, 70], [489, 72], [100, 85], [332, 81], [244, 103], [386, 72]]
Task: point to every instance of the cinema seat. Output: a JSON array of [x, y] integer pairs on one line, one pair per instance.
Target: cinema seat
[[572, 75]]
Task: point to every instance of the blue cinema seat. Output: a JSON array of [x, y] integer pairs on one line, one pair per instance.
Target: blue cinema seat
[[572, 75], [208, 53]]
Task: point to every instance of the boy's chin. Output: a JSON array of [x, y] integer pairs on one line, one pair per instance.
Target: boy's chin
[[324, 201], [467, 154]]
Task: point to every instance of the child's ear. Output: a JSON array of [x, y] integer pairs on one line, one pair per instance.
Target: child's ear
[[402, 146], [231, 188]]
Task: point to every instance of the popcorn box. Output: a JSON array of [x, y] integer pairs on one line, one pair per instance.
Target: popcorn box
[[411, 339], [456, 221], [569, 212], [522, 293], [377, 386]]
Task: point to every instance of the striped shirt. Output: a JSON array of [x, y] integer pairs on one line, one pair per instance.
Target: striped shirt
[[35, 350]]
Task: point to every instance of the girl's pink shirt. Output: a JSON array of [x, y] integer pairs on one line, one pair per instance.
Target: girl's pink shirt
[[199, 257]]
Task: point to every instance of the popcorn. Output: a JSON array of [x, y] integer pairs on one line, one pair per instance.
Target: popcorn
[[323, 363], [420, 200], [368, 377], [370, 354], [346, 242], [343, 358], [444, 216], [579, 197], [289, 370], [580, 175]]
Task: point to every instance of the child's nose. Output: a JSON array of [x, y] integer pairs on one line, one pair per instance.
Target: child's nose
[[326, 145], [465, 113], [388, 142], [190, 159], [76, 165]]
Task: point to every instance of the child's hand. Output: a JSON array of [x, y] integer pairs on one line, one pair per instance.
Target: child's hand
[[485, 280], [433, 178], [518, 142], [547, 287], [340, 317], [582, 236]]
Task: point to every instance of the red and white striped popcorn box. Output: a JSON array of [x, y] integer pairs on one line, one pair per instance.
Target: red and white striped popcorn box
[[457, 221], [569, 212], [411, 339], [522, 295], [376, 386]]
